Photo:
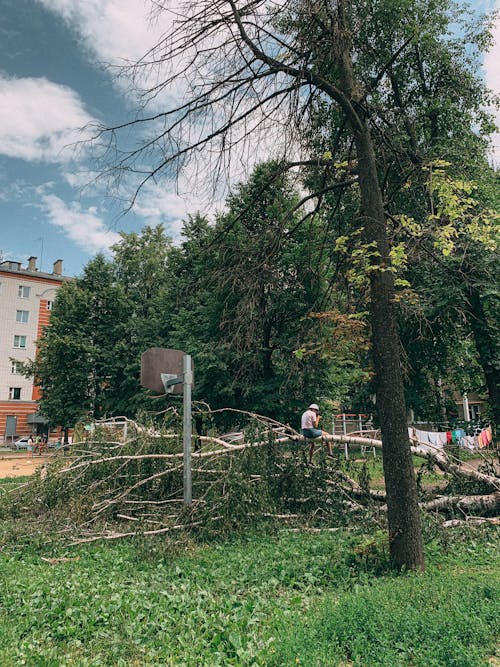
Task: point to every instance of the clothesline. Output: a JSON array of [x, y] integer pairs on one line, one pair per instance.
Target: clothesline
[[441, 439]]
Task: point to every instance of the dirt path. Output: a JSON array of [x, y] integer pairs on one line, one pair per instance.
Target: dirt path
[[18, 465]]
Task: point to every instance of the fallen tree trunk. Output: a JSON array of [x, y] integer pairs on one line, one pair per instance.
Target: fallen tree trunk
[[423, 450], [443, 462], [483, 503], [471, 521], [429, 452]]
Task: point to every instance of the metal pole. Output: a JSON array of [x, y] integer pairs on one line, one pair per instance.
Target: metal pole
[[466, 407], [344, 431], [187, 429]]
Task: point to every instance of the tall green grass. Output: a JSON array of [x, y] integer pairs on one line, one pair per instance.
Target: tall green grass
[[284, 599]]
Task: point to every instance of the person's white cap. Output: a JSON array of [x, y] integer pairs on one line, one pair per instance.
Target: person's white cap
[[313, 406]]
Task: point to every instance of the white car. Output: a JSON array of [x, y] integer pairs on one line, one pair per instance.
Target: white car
[[21, 443]]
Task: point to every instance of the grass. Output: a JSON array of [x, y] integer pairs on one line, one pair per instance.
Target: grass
[[8, 484], [324, 599], [373, 467]]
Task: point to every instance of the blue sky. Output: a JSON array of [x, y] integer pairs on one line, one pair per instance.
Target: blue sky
[[53, 81]]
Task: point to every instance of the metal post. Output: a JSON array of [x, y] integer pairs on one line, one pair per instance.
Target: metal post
[[344, 431], [466, 407], [187, 428]]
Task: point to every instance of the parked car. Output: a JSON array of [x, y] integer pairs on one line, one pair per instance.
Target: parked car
[[21, 443]]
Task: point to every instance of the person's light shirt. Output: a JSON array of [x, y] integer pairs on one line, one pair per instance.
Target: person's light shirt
[[308, 419]]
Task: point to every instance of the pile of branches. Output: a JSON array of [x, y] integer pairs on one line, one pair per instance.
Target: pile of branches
[[112, 488]]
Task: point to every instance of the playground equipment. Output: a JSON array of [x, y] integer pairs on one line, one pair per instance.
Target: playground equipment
[[355, 424]]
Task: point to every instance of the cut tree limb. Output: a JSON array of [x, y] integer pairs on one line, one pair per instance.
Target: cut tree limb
[[484, 503]]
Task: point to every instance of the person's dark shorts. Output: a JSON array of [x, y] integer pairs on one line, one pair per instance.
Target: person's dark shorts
[[312, 432]]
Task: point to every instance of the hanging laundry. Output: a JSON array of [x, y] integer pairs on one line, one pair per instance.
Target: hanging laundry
[[485, 437], [437, 439], [456, 435], [468, 442], [427, 439]]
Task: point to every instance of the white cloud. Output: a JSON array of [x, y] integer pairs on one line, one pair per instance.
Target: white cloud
[[492, 68], [83, 227], [114, 31], [39, 120], [120, 33], [167, 203], [82, 179]]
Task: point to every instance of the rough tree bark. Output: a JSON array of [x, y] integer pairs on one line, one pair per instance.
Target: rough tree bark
[[405, 533]]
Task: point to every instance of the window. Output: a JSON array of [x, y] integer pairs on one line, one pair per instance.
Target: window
[[14, 393], [49, 305], [22, 315], [474, 412], [16, 367], [23, 292], [20, 341]]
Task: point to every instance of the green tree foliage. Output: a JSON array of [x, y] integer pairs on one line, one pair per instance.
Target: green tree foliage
[[73, 366], [241, 296], [88, 360], [449, 315], [246, 290], [63, 364], [141, 269], [420, 63]]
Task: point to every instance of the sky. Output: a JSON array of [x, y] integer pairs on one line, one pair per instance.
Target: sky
[[57, 76]]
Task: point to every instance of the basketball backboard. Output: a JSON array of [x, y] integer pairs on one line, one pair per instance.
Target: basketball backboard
[[158, 360]]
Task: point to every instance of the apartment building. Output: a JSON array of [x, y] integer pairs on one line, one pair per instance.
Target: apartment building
[[26, 298]]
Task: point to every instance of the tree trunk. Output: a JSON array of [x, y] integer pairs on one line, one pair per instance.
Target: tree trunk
[[465, 504], [403, 515], [405, 533]]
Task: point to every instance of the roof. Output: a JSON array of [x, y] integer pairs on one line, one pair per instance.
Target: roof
[[6, 267]]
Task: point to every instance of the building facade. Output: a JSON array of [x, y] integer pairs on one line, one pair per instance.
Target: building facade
[[26, 298]]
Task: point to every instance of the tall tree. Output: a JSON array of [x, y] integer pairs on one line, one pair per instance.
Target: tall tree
[[63, 367], [74, 362], [251, 66], [102, 329], [88, 361], [142, 270]]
